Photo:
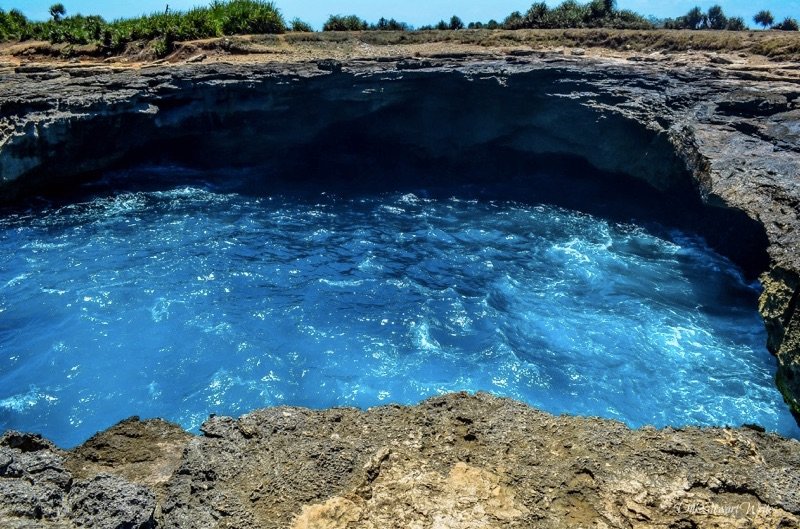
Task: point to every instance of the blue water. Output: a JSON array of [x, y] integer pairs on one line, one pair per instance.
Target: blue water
[[187, 302]]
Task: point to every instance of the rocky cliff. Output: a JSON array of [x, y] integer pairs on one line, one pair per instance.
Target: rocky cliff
[[717, 128], [457, 461]]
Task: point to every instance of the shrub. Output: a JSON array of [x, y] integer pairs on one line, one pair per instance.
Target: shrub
[[788, 24], [247, 16], [300, 26], [14, 25], [569, 14], [220, 18], [344, 23], [736, 24]]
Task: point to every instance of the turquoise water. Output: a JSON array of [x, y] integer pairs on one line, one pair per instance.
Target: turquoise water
[[186, 302]]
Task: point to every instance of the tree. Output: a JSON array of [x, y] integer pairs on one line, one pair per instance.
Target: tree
[[456, 23], [694, 19], [716, 19], [514, 21], [390, 25], [57, 11], [764, 18], [536, 17]]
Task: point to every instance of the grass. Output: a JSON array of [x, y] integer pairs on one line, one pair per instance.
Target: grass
[[772, 44]]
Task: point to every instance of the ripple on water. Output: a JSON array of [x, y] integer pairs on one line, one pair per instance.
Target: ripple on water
[[185, 302]]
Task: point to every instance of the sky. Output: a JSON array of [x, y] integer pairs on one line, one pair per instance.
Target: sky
[[415, 12]]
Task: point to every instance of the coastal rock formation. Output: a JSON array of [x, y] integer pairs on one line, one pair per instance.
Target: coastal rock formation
[[728, 133], [454, 461]]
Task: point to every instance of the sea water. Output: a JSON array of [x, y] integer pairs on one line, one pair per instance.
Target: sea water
[[188, 301]]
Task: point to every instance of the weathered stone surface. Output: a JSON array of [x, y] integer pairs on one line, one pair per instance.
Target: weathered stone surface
[[110, 502], [37, 490], [457, 461]]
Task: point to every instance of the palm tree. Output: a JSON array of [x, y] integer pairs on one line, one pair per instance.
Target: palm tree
[[764, 18], [57, 11]]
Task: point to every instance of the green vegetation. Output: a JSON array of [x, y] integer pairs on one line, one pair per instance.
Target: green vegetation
[[571, 14], [232, 17], [390, 25], [345, 23], [764, 19], [354, 23], [158, 32], [57, 12], [298, 25], [788, 24], [713, 19]]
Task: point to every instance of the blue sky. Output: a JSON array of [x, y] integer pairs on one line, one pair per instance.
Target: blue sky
[[415, 12]]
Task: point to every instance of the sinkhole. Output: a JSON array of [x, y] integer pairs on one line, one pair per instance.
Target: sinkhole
[[366, 240]]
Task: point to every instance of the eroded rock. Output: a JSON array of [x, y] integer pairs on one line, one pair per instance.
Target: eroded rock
[[457, 461]]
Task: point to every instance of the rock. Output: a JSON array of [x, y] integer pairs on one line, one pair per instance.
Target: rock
[[578, 52], [33, 483], [37, 489], [463, 461], [197, 58], [329, 65], [109, 502], [25, 442], [750, 103]]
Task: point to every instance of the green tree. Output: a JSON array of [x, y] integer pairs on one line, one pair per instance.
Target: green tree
[[456, 23], [536, 17], [764, 18], [694, 19], [57, 12], [514, 21], [716, 19]]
